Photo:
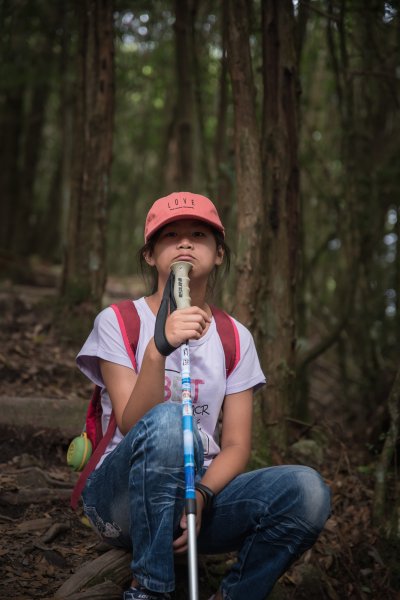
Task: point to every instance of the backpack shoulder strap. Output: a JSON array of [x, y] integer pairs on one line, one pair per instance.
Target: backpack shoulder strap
[[229, 335], [129, 324]]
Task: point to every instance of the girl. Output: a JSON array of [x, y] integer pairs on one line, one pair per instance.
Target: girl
[[135, 497]]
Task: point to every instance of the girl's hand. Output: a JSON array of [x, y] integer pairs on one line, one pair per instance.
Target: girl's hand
[[180, 545], [186, 324]]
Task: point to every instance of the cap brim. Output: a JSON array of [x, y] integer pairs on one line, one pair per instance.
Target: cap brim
[[186, 218]]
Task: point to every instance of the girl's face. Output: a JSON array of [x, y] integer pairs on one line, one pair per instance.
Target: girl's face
[[187, 240]]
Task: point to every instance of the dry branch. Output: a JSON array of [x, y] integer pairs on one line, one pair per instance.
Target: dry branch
[[103, 591], [41, 473], [111, 567]]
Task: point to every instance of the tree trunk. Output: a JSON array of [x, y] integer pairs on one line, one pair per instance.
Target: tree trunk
[[51, 229], [10, 133], [281, 190], [84, 272], [24, 235], [199, 47], [384, 462], [248, 164], [12, 92], [179, 170], [223, 187]]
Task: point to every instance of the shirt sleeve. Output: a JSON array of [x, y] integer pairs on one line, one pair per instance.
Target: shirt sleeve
[[247, 373], [104, 341]]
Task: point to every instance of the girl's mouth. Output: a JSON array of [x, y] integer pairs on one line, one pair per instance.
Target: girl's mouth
[[184, 257]]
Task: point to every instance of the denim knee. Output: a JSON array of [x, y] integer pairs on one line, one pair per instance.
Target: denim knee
[[161, 430], [313, 497]]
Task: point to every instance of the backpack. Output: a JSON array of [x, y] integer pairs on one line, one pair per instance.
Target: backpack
[[129, 323]]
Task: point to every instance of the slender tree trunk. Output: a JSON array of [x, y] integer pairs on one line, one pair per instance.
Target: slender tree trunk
[[24, 235], [49, 226], [202, 176], [224, 183], [10, 133], [397, 274], [248, 164], [281, 190], [301, 27], [179, 170], [185, 88], [51, 229], [67, 128], [84, 272], [385, 459], [12, 94]]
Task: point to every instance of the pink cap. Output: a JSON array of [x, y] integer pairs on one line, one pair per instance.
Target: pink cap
[[181, 205]]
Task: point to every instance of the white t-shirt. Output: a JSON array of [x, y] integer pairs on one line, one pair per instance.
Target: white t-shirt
[[207, 366]]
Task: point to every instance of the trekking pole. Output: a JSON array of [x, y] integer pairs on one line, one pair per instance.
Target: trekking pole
[[182, 298]]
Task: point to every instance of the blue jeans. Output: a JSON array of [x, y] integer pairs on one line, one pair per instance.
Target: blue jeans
[[135, 499]]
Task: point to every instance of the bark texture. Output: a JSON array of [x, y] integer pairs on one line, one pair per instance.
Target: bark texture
[[85, 260], [179, 169], [281, 191], [247, 162]]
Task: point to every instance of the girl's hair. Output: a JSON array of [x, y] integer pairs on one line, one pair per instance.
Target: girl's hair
[[150, 273]]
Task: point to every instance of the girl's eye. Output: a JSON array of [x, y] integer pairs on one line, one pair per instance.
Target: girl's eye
[[170, 234], [199, 234]]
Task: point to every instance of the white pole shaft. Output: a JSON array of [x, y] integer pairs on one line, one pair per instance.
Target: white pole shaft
[[192, 558]]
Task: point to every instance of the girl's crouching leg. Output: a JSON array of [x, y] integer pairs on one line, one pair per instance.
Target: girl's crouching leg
[[302, 506], [284, 510], [157, 489]]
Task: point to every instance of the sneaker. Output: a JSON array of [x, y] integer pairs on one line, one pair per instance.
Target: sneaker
[[141, 593]]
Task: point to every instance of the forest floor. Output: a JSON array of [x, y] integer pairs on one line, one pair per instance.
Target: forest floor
[[42, 541]]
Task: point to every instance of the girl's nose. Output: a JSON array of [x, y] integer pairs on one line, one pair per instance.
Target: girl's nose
[[184, 242]]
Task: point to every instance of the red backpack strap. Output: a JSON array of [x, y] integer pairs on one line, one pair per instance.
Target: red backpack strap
[[129, 323], [229, 335]]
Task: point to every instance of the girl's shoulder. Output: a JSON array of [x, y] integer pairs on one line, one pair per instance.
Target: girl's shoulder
[[108, 316], [105, 319]]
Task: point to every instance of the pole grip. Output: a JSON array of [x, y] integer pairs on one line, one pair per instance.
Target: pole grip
[[181, 270]]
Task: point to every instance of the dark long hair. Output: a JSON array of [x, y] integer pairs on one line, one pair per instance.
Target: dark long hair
[[150, 274]]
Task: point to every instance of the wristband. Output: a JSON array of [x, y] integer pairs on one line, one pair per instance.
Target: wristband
[[207, 494]]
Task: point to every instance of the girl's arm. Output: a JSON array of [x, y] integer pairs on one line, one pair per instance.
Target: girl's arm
[[133, 395], [235, 441]]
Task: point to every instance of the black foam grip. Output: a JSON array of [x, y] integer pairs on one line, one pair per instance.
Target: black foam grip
[[190, 506], [168, 301]]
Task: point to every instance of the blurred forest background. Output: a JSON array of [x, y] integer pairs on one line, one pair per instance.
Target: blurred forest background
[[286, 114]]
